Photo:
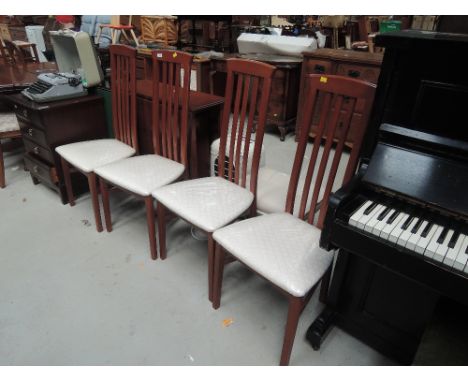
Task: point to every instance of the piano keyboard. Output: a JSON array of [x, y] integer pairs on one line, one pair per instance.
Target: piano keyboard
[[442, 244]]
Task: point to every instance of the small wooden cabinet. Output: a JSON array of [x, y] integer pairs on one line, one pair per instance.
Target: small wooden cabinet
[[360, 65], [44, 126]]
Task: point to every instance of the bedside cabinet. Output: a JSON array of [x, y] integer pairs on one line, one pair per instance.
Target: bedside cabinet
[[44, 126]]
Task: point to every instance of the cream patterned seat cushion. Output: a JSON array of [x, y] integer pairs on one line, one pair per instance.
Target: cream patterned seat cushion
[[8, 122], [281, 248], [141, 174], [89, 155], [208, 203]]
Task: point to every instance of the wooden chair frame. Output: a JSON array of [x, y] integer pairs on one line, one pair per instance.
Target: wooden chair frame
[[124, 118], [337, 91], [253, 81], [169, 125]]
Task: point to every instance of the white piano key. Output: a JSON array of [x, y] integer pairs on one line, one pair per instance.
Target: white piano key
[[433, 244], [452, 253], [365, 218], [424, 241], [387, 230], [381, 224], [406, 234], [396, 232], [442, 249], [462, 257], [369, 226], [354, 219], [415, 237]]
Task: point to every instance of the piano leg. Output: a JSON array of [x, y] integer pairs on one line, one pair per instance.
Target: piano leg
[[319, 328]]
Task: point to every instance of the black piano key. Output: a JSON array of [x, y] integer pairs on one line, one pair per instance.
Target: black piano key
[[407, 222], [393, 216], [383, 213], [427, 229], [370, 208], [453, 239], [441, 238], [417, 225], [466, 250]]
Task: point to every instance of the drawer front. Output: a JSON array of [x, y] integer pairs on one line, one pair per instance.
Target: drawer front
[[366, 73], [318, 67], [37, 150], [27, 115], [33, 133], [44, 171]]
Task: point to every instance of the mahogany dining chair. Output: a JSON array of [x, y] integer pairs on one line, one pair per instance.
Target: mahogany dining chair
[[212, 202], [86, 156], [283, 248], [142, 174]]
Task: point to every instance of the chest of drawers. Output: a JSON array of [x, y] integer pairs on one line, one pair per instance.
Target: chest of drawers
[[48, 125], [360, 65]]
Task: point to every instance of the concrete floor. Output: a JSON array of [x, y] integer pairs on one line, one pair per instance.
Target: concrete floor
[[72, 296]]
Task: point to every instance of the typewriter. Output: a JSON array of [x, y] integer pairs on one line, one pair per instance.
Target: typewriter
[[78, 66]]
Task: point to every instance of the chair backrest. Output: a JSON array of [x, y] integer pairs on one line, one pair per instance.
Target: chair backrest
[[342, 102], [171, 90], [16, 55], [123, 83], [248, 84]]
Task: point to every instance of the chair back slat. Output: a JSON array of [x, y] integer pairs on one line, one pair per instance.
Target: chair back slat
[[336, 98], [315, 151], [250, 126], [249, 84], [240, 133], [171, 91], [123, 82]]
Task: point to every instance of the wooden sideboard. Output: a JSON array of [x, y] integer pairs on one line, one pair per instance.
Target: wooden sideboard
[[48, 125], [361, 65]]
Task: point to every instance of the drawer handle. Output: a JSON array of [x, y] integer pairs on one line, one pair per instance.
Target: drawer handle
[[319, 68], [36, 150], [36, 168], [30, 132], [354, 73]]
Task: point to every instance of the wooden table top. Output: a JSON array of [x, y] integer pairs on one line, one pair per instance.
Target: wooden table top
[[198, 101], [16, 77]]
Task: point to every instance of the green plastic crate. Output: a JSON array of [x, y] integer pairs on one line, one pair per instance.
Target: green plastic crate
[[390, 25]]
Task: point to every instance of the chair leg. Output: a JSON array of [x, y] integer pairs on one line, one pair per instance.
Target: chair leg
[[161, 211], [95, 199], [211, 254], [324, 285], [294, 312], [218, 272], [151, 226], [106, 204], [2, 168], [68, 184]]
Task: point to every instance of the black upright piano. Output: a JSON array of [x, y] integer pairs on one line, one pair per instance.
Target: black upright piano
[[401, 224]]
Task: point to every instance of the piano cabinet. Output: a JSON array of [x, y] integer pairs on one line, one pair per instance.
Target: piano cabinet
[[383, 309]]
